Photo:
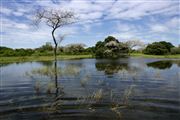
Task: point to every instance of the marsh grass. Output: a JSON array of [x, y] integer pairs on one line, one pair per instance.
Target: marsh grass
[[71, 70], [158, 75], [84, 80], [46, 71], [88, 101], [37, 87], [50, 87], [116, 107], [128, 92]]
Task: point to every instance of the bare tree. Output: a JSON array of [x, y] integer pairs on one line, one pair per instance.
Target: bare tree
[[61, 37], [134, 43], [54, 19]]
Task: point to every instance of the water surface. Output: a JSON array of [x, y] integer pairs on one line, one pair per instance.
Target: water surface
[[90, 89]]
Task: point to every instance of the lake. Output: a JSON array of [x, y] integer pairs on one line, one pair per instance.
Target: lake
[[91, 89]]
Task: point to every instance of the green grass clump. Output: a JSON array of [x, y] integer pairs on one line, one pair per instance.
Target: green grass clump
[[154, 56]]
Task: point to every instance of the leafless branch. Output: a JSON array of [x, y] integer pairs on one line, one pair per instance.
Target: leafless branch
[[61, 37], [54, 19]]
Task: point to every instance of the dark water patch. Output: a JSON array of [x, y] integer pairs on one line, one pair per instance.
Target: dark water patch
[[165, 64]]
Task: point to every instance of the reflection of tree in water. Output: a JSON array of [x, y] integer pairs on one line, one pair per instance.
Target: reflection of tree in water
[[94, 98], [111, 68], [4, 64], [46, 63], [47, 77], [177, 62], [160, 64]]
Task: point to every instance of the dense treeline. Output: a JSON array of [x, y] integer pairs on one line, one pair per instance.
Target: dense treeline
[[161, 48], [4, 51], [47, 50], [109, 48]]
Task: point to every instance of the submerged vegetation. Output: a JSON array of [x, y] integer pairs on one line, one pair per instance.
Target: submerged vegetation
[[92, 101], [93, 87]]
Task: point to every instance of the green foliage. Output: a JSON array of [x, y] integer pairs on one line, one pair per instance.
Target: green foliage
[[175, 50], [47, 50], [23, 52], [44, 50], [110, 38], [46, 47], [90, 50], [110, 48], [168, 45], [4, 51], [158, 48], [74, 49]]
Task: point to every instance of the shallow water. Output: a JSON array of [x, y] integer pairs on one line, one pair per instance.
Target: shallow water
[[90, 89]]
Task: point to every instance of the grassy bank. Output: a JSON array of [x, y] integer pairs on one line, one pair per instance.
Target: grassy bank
[[154, 56], [65, 57], [41, 58]]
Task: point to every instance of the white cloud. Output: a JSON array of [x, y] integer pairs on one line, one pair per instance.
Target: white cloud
[[125, 36], [92, 13], [69, 30], [174, 23], [138, 9], [124, 27], [10, 24], [89, 16], [159, 28], [5, 11], [18, 13], [21, 26]]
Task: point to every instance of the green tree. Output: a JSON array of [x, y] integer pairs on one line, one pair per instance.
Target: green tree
[[175, 50], [158, 48], [75, 48], [168, 45], [110, 48]]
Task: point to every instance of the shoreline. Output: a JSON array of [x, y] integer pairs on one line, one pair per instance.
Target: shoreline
[[70, 57], [41, 58]]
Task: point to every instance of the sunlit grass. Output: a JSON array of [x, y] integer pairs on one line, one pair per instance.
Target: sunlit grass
[[41, 58], [154, 56]]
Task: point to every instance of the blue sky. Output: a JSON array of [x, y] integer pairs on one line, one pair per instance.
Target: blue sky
[[145, 20]]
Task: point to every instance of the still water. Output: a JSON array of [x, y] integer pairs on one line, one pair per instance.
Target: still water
[[90, 89]]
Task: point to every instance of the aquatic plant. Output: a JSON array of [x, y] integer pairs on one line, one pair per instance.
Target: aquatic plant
[[158, 75], [127, 94], [84, 80], [97, 95], [50, 87]]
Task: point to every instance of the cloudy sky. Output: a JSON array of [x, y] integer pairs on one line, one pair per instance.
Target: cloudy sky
[[146, 20]]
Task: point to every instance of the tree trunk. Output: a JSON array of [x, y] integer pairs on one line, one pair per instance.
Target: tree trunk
[[55, 63], [55, 47]]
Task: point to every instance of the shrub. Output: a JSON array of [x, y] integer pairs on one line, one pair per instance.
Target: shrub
[[158, 48], [110, 48], [175, 50]]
